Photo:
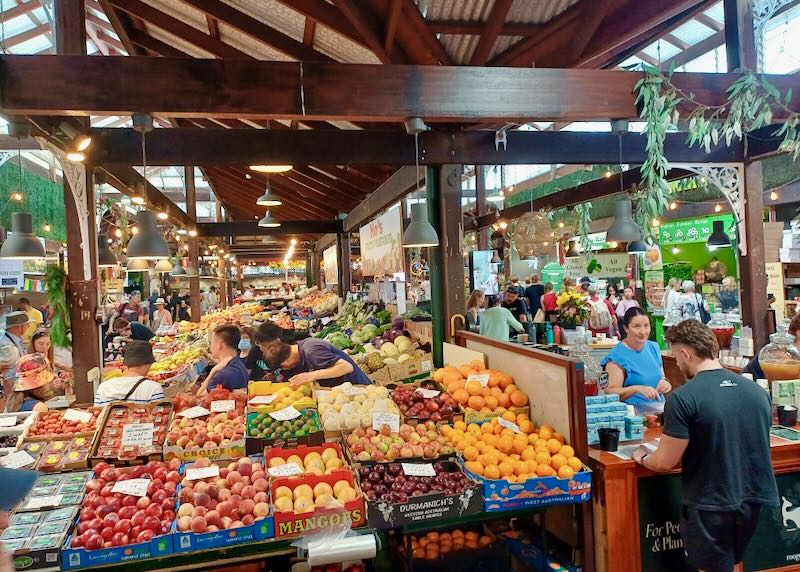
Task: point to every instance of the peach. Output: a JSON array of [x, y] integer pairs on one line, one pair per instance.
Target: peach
[[202, 499], [237, 524], [226, 522], [261, 510], [184, 523], [224, 494], [212, 491], [247, 506], [248, 519], [249, 491], [224, 508], [199, 524], [245, 469], [213, 517], [260, 497], [258, 475], [233, 477], [237, 488], [200, 511], [200, 487], [186, 510], [212, 528], [202, 462]]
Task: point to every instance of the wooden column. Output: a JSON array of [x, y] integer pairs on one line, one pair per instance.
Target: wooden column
[[70, 24], [191, 210], [480, 204], [343, 260], [740, 46], [222, 298], [436, 265], [451, 235]]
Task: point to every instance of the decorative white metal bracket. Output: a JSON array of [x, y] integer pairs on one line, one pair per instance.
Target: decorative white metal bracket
[[763, 10], [729, 179]]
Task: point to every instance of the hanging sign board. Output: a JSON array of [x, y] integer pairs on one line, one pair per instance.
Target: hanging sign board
[[331, 265], [11, 274], [610, 265], [692, 229], [382, 244]]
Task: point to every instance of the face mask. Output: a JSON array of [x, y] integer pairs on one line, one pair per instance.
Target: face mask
[[244, 345]]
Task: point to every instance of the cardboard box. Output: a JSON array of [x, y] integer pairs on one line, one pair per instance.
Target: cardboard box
[[261, 529], [303, 450], [289, 523], [472, 416], [427, 383], [31, 552], [493, 558], [256, 445], [426, 507], [381, 376], [500, 495], [72, 558], [411, 368], [162, 410], [233, 450]]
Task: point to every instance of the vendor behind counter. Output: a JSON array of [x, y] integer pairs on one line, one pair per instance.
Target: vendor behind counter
[[307, 361]]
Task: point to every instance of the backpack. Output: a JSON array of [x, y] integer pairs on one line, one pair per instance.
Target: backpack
[[599, 316]]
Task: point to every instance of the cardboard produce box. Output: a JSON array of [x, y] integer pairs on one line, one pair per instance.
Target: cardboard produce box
[[411, 368], [35, 538], [478, 557]]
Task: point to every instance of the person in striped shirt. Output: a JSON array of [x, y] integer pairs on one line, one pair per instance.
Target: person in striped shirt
[[134, 386]]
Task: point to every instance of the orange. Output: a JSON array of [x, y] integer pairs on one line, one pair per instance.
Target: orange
[[449, 377], [545, 432], [559, 437], [506, 469], [542, 458], [567, 451], [526, 427], [471, 536], [489, 459], [457, 533], [438, 375], [471, 453], [519, 445], [509, 416], [465, 371], [474, 429], [553, 446], [519, 399], [532, 438], [496, 391], [566, 472], [475, 402], [505, 445], [494, 379], [520, 468], [454, 386], [486, 428], [545, 471], [461, 396], [491, 402], [485, 392], [477, 365], [575, 464], [532, 466], [490, 439], [557, 461], [460, 425], [491, 472], [510, 388], [475, 467], [474, 388], [497, 428], [507, 433], [505, 381], [504, 400], [528, 454]]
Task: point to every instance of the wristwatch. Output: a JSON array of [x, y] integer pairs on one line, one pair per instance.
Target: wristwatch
[[641, 461]]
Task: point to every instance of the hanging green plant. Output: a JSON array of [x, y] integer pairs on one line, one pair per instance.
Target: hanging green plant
[[55, 281], [584, 212]]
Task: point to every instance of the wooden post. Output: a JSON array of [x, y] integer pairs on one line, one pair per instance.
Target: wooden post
[[222, 297], [343, 259], [480, 204], [450, 248], [191, 210], [740, 46], [436, 264]]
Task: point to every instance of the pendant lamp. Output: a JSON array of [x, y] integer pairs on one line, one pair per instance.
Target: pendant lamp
[[105, 257], [138, 265], [637, 247], [268, 199], [22, 244], [718, 238], [190, 271], [495, 258], [147, 244], [419, 232], [269, 221], [163, 266], [624, 228], [572, 250], [178, 269]]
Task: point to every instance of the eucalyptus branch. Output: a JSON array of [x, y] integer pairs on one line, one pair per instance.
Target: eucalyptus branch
[[584, 212]]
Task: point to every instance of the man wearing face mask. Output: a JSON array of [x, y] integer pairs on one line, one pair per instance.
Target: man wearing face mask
[[309, 360]]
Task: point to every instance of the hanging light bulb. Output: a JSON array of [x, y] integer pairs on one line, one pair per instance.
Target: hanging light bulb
[[675, 250], [572, 249], [673, 205], [613, 244], [192, 233], [162, 215], [637, 247], [178, 270], [118, 233], [46, 227], [561, 224], [420, 232], [655, 222], [773, 196], [717, 208], [268, 199], [503, 225], [16, 196], [495, 258], [138, 265], [608, 174]]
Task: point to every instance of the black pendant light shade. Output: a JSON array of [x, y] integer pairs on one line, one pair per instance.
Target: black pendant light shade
[[22, 244], [420, 232], [718, 238], [147, 244], [624, 228]]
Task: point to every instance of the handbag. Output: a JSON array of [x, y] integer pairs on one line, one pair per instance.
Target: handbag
[[705, 316], [539, 317]]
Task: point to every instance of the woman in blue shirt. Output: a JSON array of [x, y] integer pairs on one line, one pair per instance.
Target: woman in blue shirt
[[634, 367]]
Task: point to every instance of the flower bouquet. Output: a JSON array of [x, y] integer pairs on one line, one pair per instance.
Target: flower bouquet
[[573, 309]]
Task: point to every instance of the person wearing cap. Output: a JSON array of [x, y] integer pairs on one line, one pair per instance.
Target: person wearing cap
[[161, 316], [514, 304], [16, 322], [134, 386], [35, 384], [497, 322], [307, 361], [35, 318]]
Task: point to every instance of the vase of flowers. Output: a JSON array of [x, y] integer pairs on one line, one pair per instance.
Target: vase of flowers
[[572, 309]]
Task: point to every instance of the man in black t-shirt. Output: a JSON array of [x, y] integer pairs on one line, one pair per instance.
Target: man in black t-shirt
[[533, 294], [514, 304], [717, 425]]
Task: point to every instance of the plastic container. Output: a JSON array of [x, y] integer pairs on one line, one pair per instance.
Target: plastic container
[[780, 359], [609, 438], [787, 415], [723, 330], [591, 369]]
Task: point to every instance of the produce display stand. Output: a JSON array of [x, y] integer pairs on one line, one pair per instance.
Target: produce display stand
[[637, 515], [555, 387]]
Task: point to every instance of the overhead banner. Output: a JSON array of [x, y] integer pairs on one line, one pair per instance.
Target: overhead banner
[[611, 265], [11, 274], [331, 266], [693, 229], [382, 244]]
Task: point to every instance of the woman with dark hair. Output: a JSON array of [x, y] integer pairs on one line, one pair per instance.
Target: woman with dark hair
[[634, 366], [40, 344]]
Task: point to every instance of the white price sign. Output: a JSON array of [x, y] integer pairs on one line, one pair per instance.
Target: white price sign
[[193, 412], [202, 473], [286, 470], [390, 419], [428, 393], [418, 470], [263, 399], [41, 502], [482, 378], [285, 414], [9, 421], [508, 425], [137, 435], [325, 320], [77, 415], [223, 405], [426, 365], [355, 390], [17, 460], [133, 487]]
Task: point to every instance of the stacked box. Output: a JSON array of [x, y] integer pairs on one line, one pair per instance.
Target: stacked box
[[604, 411], [634, 427]]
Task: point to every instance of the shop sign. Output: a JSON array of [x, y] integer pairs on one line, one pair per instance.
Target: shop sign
[[776, 542], [553, 272], [11, 274], [775, 287], [692, 230], [382, 244], [331, 265], [609, 265]]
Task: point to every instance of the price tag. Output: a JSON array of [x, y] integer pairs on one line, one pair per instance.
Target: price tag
[[133, 487], [390, 419], [508, 425], [418, 470], [325, 321], [137, 435], [9, 421], [428, 393], [263, 399], [223, 405], [77, 415], [202, 473], [41, 502], [482, 378], [193, 412], [17, 460], [426, 365], [355, 390], [285, 414], [286, 470]]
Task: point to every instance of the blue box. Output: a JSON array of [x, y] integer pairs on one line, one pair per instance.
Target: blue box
[[598, 418], [592, 399], [262, 529], [72, 558], [619, 408], [611, 397]]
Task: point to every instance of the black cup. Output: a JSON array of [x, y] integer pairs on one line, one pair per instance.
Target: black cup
[[609, 438], [787, 418]]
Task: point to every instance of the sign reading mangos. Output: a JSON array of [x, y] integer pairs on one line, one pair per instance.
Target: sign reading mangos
[[382, 244]]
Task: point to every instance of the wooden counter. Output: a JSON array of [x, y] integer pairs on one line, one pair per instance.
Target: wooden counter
[[673, 373], [624, 521]]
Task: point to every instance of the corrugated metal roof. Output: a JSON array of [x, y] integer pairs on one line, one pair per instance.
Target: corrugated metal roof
[[341, 48], [177, 42], [181, 11], [692, 32], [248, 45], [538, 11], [462, 10], [661, 50], [274, 14]]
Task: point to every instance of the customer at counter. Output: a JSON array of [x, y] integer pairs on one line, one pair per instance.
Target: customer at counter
[[309, 360], [726, 472], [134, 386], [230, 371], [514, 304], [634, 367], [602, 319], [533, 294], [474, 306], [496, 322], [549, 301]]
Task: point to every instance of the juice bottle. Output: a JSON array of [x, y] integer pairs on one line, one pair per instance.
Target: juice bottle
[[780, 359]]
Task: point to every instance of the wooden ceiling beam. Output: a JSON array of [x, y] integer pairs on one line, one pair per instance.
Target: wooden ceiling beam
[[213, 26], [309, 29], [392, 20], [357, 181], [491, 29], [155, 45], [360, 20], [21, 9], [22, 37], [217, 229], [470, 28], [119, 22], [710, 22], [695, 51], [179, 28], [125, 180], [328, 15], [258, 30], [418, 23]]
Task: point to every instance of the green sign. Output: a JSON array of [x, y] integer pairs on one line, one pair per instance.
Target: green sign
[[692, 230], [776, 542], [553, 272]]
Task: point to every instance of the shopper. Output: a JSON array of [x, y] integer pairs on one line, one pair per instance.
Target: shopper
[[161, 316], [611, 295], [549, 301], [245, 343], [726, 466], [533, 294], [728, 295], [132, 310], [475, 305], [497, 322], [16, 323], [622, 307], [35, 318], [514, 304], [40, 344], [693, 307], [36, 383], [672, 295], [129, 330], [151, 304], [134, 386], [9, 356], [602, 319], [634, 366], [230, 371], [213, 299], [307, 361]]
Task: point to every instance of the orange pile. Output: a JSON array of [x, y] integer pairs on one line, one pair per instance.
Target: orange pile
[[496, 452], [436, 544], [498, 395]]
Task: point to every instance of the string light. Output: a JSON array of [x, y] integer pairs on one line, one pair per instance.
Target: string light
[[118, 233], [16, 196], [134, 230], [193, 233], [561, 224], [162, 215], [608, 174], [503, 225], [137, 200], [109, 241], [717, 208], [773, 196], [46, 227], [675, 250], [655, 222], [613, 244], [673, 205]]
